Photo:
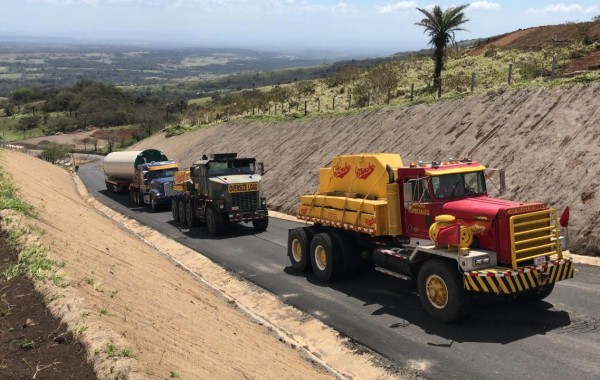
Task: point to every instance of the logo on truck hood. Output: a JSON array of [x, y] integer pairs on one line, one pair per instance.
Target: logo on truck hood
[[341, 171], [363, 173]]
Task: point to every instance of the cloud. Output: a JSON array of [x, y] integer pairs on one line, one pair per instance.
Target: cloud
[[484, 5], [396, 8], [564, 8]]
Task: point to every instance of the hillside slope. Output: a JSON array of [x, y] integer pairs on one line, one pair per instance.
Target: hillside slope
[[547, 139]]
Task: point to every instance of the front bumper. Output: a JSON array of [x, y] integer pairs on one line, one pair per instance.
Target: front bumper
[[246, 216], [500, 280]]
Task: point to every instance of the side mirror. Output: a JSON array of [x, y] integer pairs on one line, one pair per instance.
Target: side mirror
[[261, 168]]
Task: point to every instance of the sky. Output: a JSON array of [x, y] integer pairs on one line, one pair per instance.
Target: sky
[[375, 28]]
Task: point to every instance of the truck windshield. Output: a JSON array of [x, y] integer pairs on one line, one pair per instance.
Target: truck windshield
[[216, 168], [167, 173], [458, 185]]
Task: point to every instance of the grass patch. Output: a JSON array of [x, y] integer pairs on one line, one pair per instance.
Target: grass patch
[[112, 352], [9, 199]]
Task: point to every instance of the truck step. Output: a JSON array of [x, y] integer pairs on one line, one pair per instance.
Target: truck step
[[393, 274]]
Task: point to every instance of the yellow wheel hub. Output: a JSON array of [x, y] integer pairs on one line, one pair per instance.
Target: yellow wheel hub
[[320, 258], [437, 292], [297, 250]]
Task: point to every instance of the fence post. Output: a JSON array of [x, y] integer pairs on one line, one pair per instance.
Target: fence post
[[318, 104], [389, 96], [502, 181], [510, 65], [368, 98], [305, 105], [349, 101], [333, 103], [472, 82], [554, 59], [412, 92]]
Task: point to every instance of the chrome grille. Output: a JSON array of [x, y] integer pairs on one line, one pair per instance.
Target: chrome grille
[[245, 201], [169, 189], [533, 235]]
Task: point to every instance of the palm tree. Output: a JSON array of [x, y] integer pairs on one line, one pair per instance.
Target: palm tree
[[441, 25]]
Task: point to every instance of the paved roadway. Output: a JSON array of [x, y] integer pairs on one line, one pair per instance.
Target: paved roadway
[[557, 339]]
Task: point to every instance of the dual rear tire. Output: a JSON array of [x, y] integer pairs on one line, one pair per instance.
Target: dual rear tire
[[331, 255]]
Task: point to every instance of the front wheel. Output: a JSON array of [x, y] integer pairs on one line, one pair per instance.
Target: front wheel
[[140, 198], [153, 204], [214, 222], [442, 292], [260, 225]]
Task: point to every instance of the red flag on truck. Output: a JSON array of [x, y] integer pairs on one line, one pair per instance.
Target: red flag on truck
[[449, 235], [564, 218]]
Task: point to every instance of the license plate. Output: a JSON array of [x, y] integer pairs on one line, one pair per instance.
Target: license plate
[[539, 260]]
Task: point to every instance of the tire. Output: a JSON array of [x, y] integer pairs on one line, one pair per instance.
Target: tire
[[134, 197], [190, 215], [298, 248], [537, 295], [153, 204], [140, 198], [442, 292], [260, 225], [214, 222], [349, 253], [175, 210], [325, 258], [181, 210]]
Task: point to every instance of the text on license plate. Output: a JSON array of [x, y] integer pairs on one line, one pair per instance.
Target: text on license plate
[[539, 260]]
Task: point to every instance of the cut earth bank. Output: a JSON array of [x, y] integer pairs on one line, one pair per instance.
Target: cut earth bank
[[146, 307], [546, 139]]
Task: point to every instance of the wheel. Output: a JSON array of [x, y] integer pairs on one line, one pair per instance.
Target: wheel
[[140, 198], [325, 257], [349, 254], [190, 215], [298, 247], [260, 225], [153, 204], [442, 291], [537, 295], [181, 211], [134, 197], [214, 222], [175, 210]]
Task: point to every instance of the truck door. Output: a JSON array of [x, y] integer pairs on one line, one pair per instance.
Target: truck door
[[418, 207]]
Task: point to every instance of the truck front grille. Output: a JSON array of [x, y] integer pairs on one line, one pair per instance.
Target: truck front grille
[[534, 235], [169, 189], [245, 201]]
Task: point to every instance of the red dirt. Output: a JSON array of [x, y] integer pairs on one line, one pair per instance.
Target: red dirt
[[543, 36]]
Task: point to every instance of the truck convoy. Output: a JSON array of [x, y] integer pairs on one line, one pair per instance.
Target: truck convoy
[[147, 174], [219, 190], [432, 223]]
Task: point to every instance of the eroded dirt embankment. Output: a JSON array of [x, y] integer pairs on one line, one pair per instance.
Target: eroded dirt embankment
[[547, 140]]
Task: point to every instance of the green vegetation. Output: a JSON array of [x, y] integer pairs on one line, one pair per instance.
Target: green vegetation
[[33, 259], [113, 351], [440, 26], [55, 152], [9, 198]]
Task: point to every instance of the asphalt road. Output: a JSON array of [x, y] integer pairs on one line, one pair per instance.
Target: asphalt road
[[555, 339]]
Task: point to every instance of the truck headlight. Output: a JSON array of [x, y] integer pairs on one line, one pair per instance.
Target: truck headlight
[[481, 261]]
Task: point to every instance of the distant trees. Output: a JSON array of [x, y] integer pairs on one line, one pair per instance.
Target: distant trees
[[56, 152], [440, 26]]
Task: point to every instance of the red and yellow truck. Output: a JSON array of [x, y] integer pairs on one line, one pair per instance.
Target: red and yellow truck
[[432, 223]]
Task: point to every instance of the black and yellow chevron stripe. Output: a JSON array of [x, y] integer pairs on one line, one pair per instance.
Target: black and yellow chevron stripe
[[500, 281]]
